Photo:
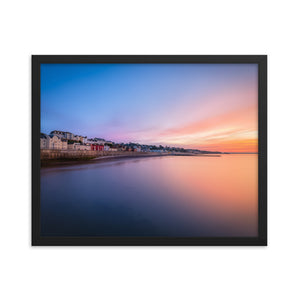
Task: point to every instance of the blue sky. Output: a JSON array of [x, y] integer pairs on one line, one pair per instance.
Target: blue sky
[[136, 102]]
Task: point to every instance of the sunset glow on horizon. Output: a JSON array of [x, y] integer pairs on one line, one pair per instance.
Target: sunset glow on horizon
[[211, 107]]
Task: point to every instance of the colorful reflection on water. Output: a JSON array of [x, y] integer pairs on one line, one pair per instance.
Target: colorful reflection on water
[[156, 196]]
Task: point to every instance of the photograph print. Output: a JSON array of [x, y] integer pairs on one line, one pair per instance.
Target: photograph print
[[147, 153]]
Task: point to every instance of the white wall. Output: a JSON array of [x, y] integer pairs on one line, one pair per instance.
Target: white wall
[[151, 27]]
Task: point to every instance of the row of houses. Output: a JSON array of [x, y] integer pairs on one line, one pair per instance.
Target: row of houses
[[61, 140], [52, 142], [69, 136]]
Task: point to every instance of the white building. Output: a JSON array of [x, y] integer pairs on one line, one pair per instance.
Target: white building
[[52, 142], [69, 136], [96, 141], [81, 147], [60, 134], [43, 141], [64, 144], [78, 146], [63, 134], [79, 138]]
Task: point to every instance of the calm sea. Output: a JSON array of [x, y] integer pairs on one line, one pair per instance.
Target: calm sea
[[155, 196]]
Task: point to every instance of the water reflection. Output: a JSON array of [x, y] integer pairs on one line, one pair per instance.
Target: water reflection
[[158, 196]]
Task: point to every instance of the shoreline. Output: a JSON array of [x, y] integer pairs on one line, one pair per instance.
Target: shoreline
[[92, 160]]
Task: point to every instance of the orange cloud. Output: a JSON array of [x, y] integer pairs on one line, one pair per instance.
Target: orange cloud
[[235, 131]]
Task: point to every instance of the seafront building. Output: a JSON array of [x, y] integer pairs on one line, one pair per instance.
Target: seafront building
[[78, 146], [52, 142], [64, 140], [69, 136], [96, 147]]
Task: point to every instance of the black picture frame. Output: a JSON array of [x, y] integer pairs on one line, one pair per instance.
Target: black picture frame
[[261, 240]]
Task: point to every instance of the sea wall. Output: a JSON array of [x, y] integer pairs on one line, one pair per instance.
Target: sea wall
[[47, 154]]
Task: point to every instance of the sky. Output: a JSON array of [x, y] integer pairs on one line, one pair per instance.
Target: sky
[[196, 106]]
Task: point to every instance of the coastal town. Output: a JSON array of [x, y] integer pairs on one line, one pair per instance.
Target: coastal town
[[64, 141]]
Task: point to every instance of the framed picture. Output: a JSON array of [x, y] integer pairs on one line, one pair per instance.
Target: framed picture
[[149, 150]]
